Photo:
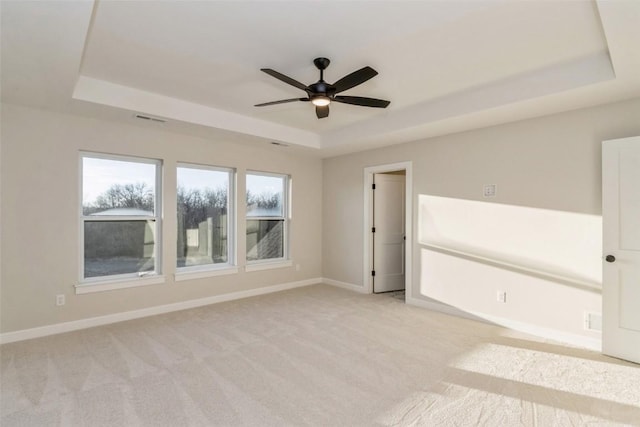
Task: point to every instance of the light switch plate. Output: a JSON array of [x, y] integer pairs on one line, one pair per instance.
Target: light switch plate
[[490, 190]]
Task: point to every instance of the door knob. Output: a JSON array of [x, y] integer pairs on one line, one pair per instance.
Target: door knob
[[610, 258]]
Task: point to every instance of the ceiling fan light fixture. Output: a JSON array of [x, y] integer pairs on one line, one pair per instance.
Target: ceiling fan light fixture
[[320, 101]]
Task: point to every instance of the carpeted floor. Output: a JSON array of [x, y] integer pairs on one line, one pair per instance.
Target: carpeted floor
[[311, 356]]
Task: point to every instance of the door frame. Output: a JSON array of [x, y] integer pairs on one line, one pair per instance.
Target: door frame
[[408, 224]]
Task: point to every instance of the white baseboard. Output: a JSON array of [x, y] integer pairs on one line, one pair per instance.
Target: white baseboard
[[590, 343], [75, 325], [344, 285], [443, 308]]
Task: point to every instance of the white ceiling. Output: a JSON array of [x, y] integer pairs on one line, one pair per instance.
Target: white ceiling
[[445, 66]]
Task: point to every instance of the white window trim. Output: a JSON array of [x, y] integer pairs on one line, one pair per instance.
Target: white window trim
[[285, 260], [229, 267], [120, 281], [269, 264], [203, 273], [110, 285]]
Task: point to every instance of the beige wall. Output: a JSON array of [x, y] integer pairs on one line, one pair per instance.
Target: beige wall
[[551, 163], [40, 173]]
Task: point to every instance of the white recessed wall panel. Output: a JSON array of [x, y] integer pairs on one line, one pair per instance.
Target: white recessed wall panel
[[629, 195]]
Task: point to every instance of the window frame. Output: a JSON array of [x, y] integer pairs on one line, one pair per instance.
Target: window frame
[[116, 281], [229, 267], [285, 260]]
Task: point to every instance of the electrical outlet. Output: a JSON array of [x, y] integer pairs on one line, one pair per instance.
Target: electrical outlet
[[593, 321], [297, 267], [490, 190], [60, 299], [501, 296]]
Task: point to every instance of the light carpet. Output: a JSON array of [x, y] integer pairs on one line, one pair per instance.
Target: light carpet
[[317, 355]]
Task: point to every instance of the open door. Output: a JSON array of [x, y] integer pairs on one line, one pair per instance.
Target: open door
[[388, 232], [621, 241]]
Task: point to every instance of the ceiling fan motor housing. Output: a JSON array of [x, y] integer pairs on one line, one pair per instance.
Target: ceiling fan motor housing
[[321, 88]]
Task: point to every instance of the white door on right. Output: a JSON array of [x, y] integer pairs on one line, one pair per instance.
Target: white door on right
[[621, 245]]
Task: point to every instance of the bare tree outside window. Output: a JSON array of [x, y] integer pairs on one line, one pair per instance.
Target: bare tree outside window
[[137, 195]]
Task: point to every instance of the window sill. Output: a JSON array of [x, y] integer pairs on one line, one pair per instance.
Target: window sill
[[201, 274], [90, 287], [268, 265]]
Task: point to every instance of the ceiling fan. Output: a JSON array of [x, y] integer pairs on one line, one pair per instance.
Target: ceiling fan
[[321, 93]]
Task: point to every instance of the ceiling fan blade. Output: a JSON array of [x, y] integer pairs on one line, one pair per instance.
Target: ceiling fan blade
[[354, 79], [282, 101], [322, 112], [282, 77], [362, 101]]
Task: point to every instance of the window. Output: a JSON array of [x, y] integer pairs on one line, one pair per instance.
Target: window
[[267, 206], [204, 216], [120, 220]]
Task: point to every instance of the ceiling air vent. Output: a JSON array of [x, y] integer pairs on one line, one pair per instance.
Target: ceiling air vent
[[149, 118]]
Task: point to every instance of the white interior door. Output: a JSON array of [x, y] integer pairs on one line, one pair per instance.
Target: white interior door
[[621, 241], [388, 238]]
